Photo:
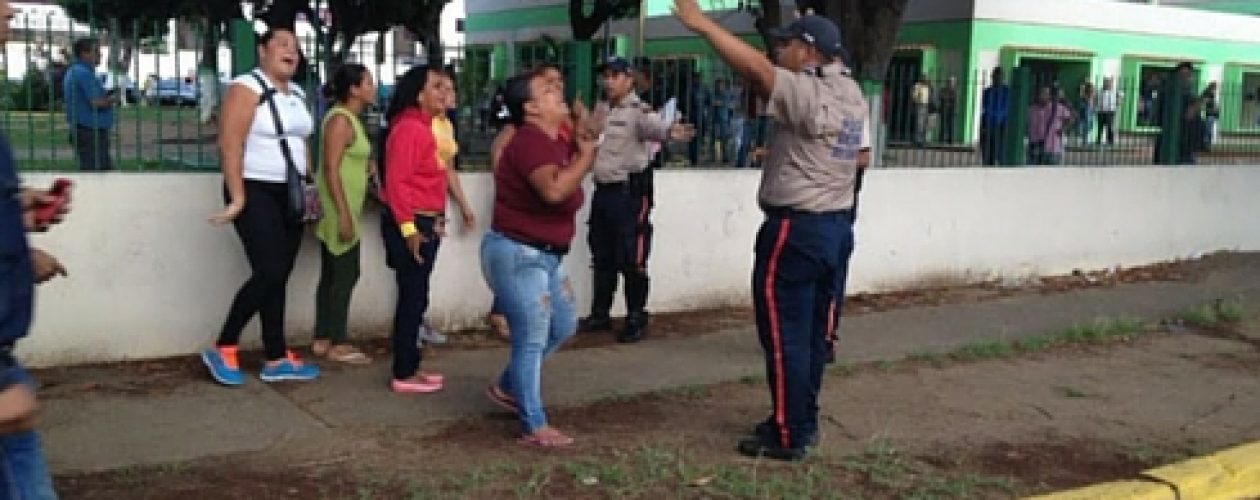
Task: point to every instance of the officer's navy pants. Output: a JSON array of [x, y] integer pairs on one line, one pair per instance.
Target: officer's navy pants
[[799, 276], [621, 239]]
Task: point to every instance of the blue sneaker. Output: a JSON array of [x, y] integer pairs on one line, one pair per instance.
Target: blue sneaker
[[223, 365], [289, 368]]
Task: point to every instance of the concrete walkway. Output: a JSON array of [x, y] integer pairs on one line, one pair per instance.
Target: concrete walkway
[[94, 430]]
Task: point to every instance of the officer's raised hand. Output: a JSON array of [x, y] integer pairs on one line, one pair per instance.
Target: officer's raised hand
[[689, 13]]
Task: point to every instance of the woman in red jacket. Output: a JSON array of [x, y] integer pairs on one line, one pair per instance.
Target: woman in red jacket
[[413, 221]]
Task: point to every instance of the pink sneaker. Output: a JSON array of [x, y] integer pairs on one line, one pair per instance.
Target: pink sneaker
[[415, 387], [432, 378]]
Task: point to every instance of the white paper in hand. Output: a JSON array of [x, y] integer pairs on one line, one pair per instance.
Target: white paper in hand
[[669, 112], [669, 116]]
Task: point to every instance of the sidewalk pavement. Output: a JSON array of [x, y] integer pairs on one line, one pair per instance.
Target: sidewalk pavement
[[100, 430]]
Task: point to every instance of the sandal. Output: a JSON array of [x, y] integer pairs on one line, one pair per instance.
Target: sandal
[[348, 355], [501, 398], [546, 437]]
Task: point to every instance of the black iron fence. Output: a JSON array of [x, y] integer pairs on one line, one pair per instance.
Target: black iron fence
[[170, 84]]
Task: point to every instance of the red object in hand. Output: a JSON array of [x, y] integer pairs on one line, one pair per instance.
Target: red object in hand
[[46, 213]]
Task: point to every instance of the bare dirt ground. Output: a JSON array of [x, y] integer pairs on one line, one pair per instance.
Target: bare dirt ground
[[1015, 423]]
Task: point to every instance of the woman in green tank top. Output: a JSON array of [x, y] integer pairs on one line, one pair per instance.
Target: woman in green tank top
[[342, 183]]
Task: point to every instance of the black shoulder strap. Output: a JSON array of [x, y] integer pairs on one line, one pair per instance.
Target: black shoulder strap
[[268, 96]]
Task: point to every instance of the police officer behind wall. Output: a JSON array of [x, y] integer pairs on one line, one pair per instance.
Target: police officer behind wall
[[620, 233], [807, 193]]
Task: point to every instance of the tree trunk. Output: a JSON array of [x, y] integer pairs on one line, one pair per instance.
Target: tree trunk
[[210, 46], [869, 29], [770, 17], [586, 26]]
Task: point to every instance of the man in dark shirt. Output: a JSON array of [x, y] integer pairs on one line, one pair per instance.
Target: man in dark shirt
[[1181, 81], [89, 108], [995, 104]]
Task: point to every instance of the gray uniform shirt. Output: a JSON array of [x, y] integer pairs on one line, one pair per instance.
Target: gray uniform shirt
[[629, 131], [820, 127]]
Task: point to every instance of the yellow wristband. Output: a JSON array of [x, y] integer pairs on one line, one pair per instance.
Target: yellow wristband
[[408, 229]]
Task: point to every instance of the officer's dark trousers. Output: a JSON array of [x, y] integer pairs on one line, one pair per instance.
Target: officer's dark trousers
[[798, 288], [620, 238]]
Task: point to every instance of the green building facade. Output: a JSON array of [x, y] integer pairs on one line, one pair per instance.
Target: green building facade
[[1065, 42]]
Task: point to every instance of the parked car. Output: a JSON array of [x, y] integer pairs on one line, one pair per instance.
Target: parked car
[[131, 95], [177, 91]]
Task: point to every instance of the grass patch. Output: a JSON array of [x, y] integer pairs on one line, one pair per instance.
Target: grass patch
[[844, 369], [932, 358], [65, 162], [1230, 311], [1101, 330], [1071, 392], [688, 392], [1154, 454], [984, 350], [1217, 314], [753, 379], [884, 467]]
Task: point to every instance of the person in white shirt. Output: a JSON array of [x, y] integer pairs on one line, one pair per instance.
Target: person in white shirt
[[262, 136], [1108, 102]]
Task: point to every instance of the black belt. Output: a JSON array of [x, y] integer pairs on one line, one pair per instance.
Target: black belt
[[543, 247], [776, 211], [610, 185]]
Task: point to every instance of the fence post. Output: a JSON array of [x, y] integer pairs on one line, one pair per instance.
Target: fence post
[[874, 91], [584, 73], [1168, 143], [1016, 145], [244, 48]]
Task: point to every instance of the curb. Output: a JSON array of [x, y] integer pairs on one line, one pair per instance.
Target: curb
[[1230, 474]]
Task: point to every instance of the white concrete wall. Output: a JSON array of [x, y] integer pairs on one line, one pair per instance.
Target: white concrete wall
[[149, 277]]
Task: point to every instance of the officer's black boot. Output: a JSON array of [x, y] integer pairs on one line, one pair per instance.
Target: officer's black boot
[[605, 284], [636, 328], [636, 304]]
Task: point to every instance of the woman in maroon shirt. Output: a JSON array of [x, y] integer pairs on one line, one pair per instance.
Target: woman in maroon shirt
[[537, 194], [413, 222]]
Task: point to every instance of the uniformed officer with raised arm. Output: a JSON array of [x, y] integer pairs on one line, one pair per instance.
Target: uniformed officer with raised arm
[[802, 251]]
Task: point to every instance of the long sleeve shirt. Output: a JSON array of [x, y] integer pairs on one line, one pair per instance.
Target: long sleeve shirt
[[415, 178]]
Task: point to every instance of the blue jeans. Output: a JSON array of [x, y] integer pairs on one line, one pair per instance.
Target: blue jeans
[[534, 293], [23, 471]]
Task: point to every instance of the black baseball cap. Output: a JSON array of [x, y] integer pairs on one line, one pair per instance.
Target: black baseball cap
[[817, 31], [618, 64]]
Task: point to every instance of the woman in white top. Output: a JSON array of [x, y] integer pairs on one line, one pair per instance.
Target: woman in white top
[[254, 171]]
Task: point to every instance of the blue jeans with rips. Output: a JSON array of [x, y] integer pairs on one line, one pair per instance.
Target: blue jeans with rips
[[533, 292]]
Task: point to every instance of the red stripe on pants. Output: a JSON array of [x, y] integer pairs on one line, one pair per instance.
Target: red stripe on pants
[[831, 321], [643, 214], [776, 336]]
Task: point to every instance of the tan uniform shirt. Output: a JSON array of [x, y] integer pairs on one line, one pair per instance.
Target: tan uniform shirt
[[820, 128], [629, 131]]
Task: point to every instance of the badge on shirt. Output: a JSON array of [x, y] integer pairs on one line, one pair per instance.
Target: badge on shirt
[[849, 141]]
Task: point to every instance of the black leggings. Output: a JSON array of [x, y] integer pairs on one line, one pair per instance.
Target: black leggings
[[271, 238]]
